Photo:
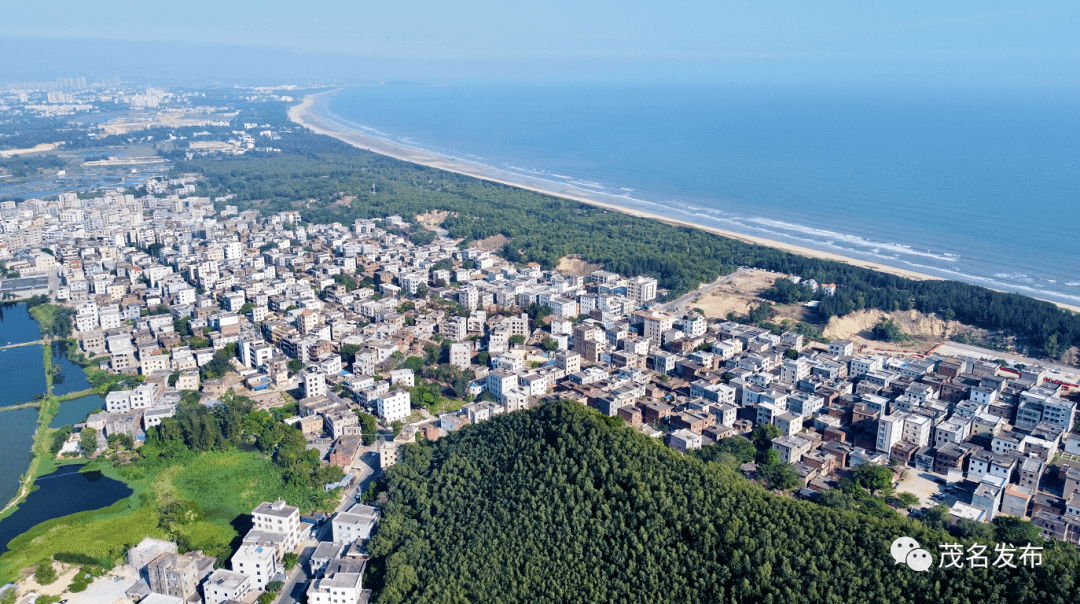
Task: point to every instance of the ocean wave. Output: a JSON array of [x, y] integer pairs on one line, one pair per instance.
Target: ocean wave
[[1015, 277], [851, 239], [1003, 285]]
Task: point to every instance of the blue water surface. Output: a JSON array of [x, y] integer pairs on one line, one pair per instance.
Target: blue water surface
[[984, 190]]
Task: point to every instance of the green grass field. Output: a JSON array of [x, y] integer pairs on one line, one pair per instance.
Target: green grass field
[[225, 485]]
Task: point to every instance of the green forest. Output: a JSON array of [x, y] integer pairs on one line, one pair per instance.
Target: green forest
[[559, 504], [314, 170]]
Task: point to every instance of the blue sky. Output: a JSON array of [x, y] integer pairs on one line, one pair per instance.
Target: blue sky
[[990, 42]]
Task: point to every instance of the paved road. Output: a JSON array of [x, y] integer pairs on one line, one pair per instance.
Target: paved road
[[296, 586], [685, 299]]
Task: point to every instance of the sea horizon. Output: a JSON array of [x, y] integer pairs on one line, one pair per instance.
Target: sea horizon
[[931, 201]]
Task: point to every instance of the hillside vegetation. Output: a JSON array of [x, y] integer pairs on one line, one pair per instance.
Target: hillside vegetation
[[330, 181], [561, 505]]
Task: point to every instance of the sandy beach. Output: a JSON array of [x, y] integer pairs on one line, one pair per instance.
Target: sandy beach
[[305, 115]]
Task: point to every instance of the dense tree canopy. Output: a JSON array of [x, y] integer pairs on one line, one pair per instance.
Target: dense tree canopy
[[561, 505]]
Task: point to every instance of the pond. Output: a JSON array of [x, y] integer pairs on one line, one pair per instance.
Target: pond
[[63, 492], [76, 410], [69, 377], [16, 325]]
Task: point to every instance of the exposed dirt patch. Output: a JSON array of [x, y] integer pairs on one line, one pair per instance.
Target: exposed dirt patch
[[717, 306], [65, 574], [345, 201], [739, 295], [574, 265], [433, 218], [491, 244], [927, 330]]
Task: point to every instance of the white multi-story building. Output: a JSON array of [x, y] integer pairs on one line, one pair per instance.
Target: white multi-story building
[[313, 383], [460, 355], [257, 562], [226, 585], [394, 406], [890, 431], [684, 440], [336, 588], [952, 431], [355, 524], [917, 430], [279, 517], [791, 371], [641, 289]]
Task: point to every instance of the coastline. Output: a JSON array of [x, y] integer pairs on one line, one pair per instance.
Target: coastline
[[304, 114]]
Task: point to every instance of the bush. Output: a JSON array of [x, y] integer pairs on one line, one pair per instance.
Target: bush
[[45, 573], [888, 331], [73, 558]]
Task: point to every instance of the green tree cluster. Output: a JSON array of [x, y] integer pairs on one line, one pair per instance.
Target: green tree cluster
[[888, 331], [559, 504], [88, 441]]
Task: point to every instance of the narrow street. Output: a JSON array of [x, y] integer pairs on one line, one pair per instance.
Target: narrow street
[[297, 583]]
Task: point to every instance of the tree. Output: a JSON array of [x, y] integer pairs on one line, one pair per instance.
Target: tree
[[275, 586], [763, 435], [974, 530], [549, 345], [888, 331], [1051, 347], [121, 441], [791, 353], [738, 448], [777, 475], [907, 500], [348, 352], [873, 477], [295, 366], [59, 438], [88, 441], [1009, 529], [369, 428], [45, 574], [517, 340], [289, 560]]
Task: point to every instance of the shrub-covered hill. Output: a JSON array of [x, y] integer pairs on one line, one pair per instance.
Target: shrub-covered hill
[[561, 505]]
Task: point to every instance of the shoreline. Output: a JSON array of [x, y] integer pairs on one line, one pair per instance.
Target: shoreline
[[304, 114]]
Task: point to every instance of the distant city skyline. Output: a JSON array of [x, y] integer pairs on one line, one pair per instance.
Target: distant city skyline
[[920, 44]]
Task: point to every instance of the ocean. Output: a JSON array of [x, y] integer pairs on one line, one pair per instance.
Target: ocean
[[975, 189]]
